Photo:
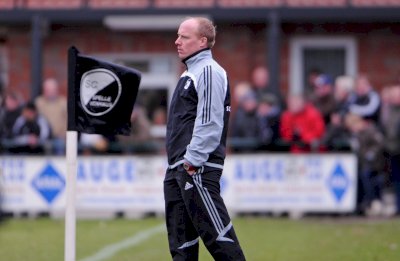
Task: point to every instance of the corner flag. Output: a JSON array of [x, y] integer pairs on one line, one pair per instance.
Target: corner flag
[[101, 95]]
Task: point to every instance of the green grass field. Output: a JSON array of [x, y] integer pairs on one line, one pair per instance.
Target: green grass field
[[262, 239]]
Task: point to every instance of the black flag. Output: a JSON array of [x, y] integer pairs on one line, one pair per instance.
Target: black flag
[[101, 95]]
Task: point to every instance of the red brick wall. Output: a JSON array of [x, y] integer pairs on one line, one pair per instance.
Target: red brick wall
[[233, 50], [380, 59], [239, 48], [18, 56]]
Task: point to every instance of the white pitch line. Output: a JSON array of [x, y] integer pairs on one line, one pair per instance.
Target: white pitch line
[[136, 239]]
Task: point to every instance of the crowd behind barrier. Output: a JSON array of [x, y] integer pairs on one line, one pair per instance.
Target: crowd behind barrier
[[345, 114]]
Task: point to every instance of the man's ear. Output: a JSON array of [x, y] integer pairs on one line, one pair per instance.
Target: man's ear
[[203, 41]]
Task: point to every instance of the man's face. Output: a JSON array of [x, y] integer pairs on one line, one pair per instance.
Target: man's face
[[29, 114], [50, 89], [362, 86], [189, 41], [296, 104]]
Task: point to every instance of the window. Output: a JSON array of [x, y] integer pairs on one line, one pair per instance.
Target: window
[[159, 77], [332, 55]]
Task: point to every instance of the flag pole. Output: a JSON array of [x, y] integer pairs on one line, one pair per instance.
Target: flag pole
[[71, 162], [70, 211]]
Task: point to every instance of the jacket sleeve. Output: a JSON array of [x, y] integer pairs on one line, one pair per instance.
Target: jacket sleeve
[[211, 91], [368, 109]]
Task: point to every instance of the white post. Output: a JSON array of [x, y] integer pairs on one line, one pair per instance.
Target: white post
[[70, 215]]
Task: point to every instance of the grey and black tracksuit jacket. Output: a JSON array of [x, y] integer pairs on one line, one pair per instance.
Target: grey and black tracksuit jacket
[[199, 113], [196, 132]]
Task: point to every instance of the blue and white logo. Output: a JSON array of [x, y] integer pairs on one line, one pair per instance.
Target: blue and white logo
[[338, 183], [48, 183], [223, 184]]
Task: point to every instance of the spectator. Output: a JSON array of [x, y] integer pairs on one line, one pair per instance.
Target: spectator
[[337, 136], [260, 79], [311, 77], [302, 125], [260, 82], [240, 90], [159, 117], [365, 102], [344, 86], [245, 124], [9, 114], [367, 142], [140, 139], [30, 132], [159, 123], [54, 108], [323, 98], [391, 129], [268, 114]]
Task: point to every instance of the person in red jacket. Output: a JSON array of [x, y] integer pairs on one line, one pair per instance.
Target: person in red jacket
[[302, 125]]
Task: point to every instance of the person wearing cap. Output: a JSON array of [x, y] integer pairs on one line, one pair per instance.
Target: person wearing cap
[[323, 98]]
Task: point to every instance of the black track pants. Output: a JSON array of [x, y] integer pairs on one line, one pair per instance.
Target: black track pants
[[195, 208]]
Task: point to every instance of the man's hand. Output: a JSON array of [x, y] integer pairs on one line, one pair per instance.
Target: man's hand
[[191, 170]]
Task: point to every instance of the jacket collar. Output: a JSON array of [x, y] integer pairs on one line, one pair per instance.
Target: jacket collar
[[197, 56]]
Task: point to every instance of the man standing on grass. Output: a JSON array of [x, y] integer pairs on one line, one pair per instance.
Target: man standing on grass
[[196, 136]]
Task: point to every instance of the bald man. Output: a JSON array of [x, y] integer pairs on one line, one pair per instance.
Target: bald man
[[196, 138]]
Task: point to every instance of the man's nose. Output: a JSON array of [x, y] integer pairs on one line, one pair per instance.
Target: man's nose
[[177, 41]]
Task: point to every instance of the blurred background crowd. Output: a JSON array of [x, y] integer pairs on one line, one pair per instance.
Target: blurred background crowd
[[345, 114]]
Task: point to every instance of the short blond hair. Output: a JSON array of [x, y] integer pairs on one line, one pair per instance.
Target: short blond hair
[[206, 29], [345, 83]]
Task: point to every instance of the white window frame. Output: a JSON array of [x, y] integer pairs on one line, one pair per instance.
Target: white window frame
[[299, 43], [149, 79]]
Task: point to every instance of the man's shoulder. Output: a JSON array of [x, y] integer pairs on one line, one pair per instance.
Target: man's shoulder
[[208, 65]]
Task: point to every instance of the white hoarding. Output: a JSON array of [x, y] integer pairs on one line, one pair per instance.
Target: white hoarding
[[109, 184], [282, 182]]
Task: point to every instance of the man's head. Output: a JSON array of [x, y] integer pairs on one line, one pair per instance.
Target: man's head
[[296, 103], [323, 85], [395, 95], [50, 88], [248, 102], [194, 34], [343, 87], [12, 101], [260, 77], [29, 112], [363, 85]]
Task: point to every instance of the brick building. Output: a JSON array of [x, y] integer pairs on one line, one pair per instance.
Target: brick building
[[291, 36]]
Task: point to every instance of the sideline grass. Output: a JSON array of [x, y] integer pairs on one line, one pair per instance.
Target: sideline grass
[[262, 239]]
